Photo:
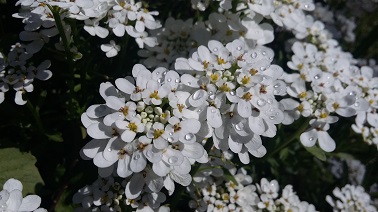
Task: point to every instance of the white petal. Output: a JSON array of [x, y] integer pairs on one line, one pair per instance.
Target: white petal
[[125, 85], [154, 182], [183, 180], [18, 98], [169, 185], [326, 142], [244, 109], [30, 203], [99, 131], [138, 162], [160, 168], [193, 150], [101, 162], [12, 184], [244, 156], [93, 147], [309, 138], [214, 117], [256, 124], [14, 201], [123, 168], [234, 146], [134, 186]]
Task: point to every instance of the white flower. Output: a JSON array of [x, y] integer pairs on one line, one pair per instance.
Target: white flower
[[111, 49], [11, 198]]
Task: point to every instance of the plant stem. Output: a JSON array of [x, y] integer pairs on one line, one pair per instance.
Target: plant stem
[[36, 116], [302, 128]]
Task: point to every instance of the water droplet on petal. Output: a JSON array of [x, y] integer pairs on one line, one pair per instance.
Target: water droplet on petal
[[352, 93], [189, 83], [171, 133], [160, 80], [262, 68], [232, 93], [109, 149], [164, 73], [254, 55], [239, 126], [199, 110], [169, 79], [270, 101], [277, 85], [157, 73], [272, 117], [212, 110], [170, 139], [210, 92], [316, 77], [238, 48], [189, 136], [212, 97], [172, 159], [261, 102], [357, 104], [310, 138], [136, 157], [263, 53], [215, 49], [306, 6], [177, 80]]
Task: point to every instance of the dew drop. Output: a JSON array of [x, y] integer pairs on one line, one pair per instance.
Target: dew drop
[[136, 157], [169, 79], [170, 139], [189, 83], [316, 77], [160, 80], [232, 93], [212, 110], [149, 154], [311, 138], [177, 80], [212, 97], [357, 104], [239, 126], [352, 93], [215, 49], [254, 55], [189, 136], [199, 110], [272, 117], [198, 94], [109, 149], [211, 93], [238, 48], [270, 101], [261, 102], [171, 133], [306, 6], [157, 73], [262, 68], [164, 73], [263, 53], [172, 159], [277, 85]]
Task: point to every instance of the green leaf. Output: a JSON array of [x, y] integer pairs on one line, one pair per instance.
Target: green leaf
[[55, 137], [21, 166], [317, 152]]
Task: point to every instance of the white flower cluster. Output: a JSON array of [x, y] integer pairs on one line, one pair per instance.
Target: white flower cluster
[[233, 90], [222, 195], [18, 73], [11, 198], [105, 194], [336, 86], [125, 16], [350, 198], [178, 38], [355, 169], [153, 125]]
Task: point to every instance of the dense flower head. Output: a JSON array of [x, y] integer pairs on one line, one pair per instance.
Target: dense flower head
[[16, 72], [350, 198], [11, 198], [221, 194]]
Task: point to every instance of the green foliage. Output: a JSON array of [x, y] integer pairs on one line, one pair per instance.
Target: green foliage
[[21, 166]]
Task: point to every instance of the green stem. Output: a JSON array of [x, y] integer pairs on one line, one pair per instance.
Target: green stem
[[36, 116], [295, 136], [58, 21]]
